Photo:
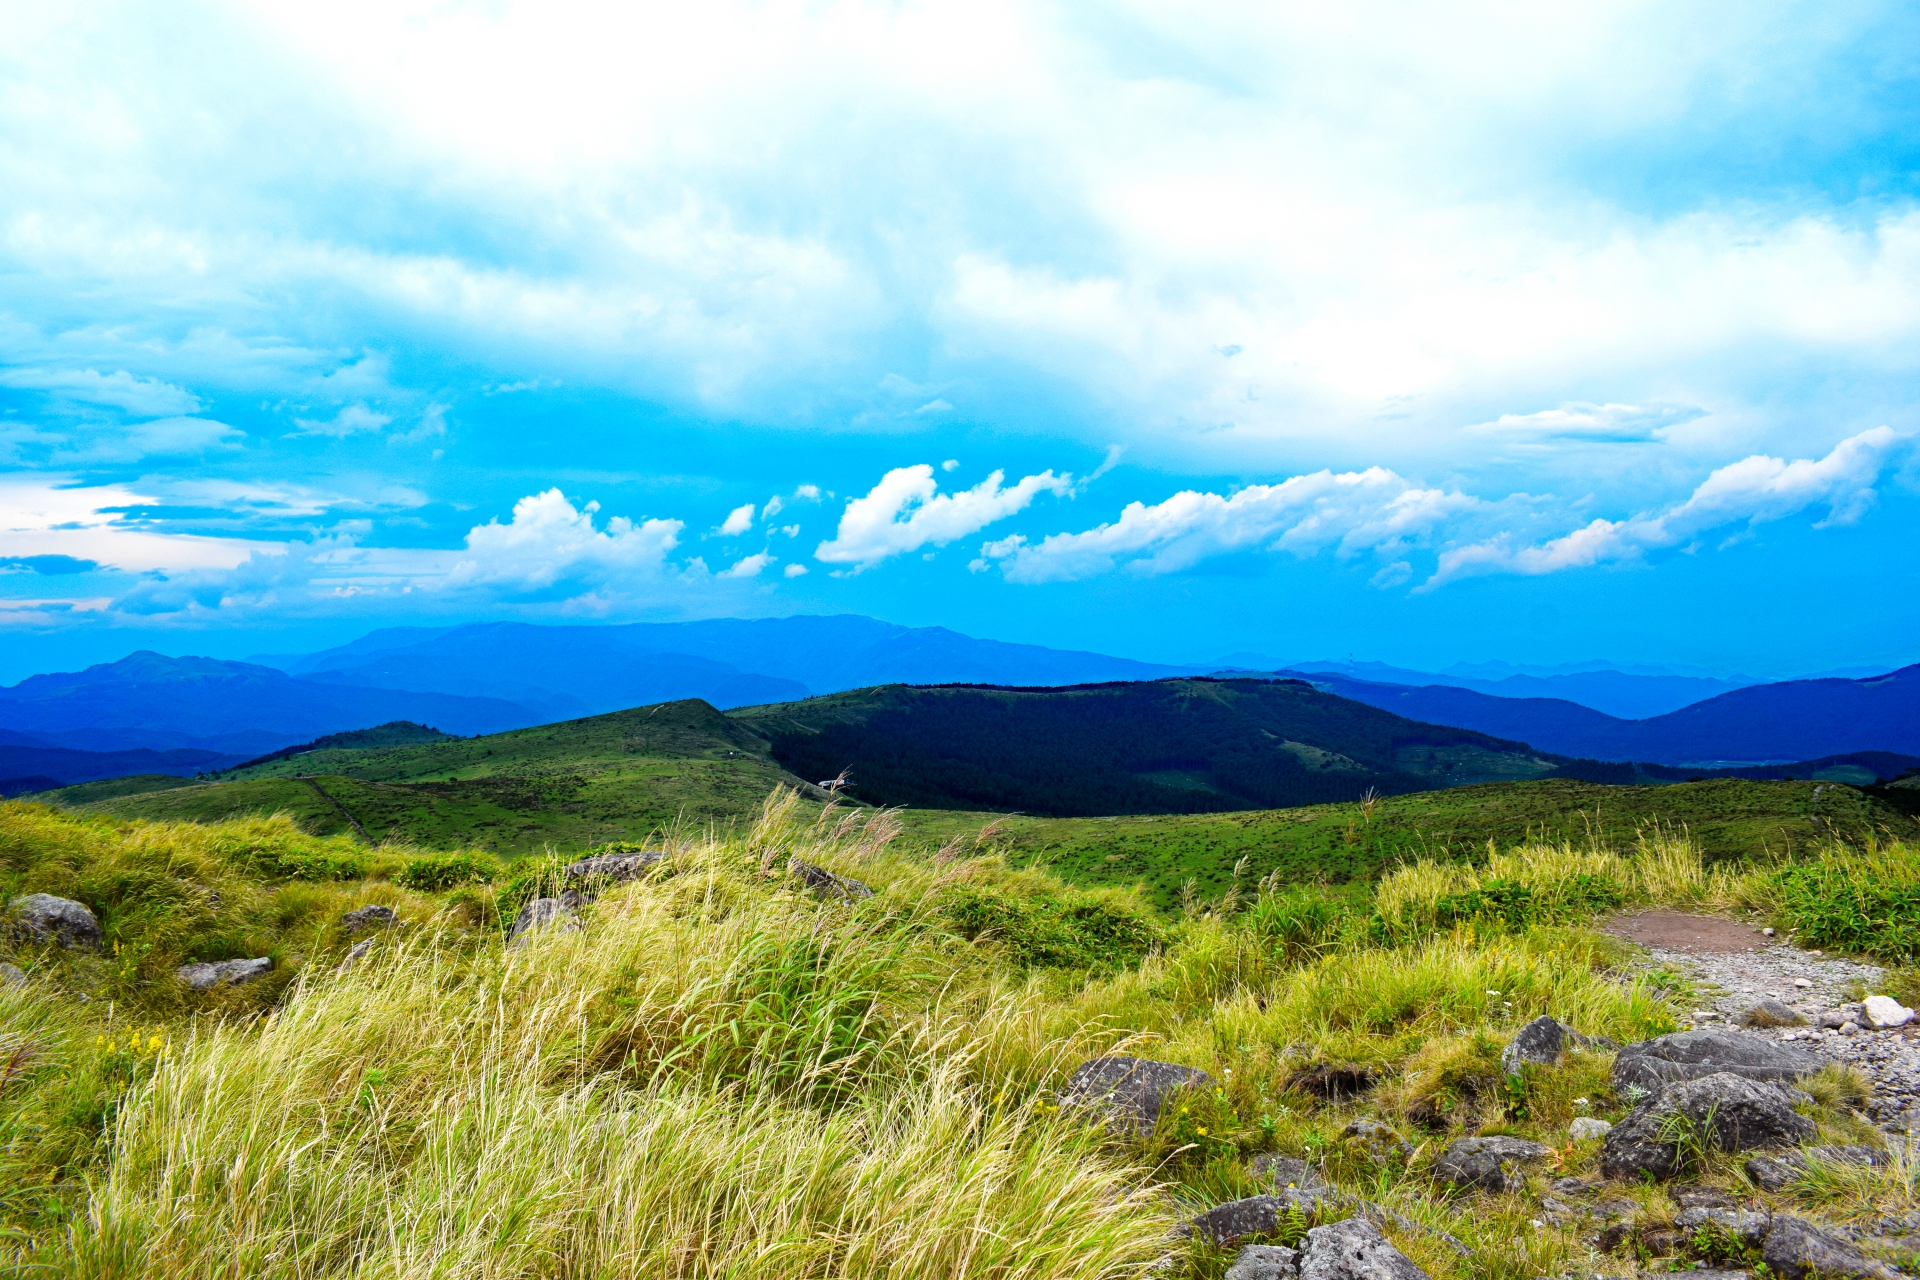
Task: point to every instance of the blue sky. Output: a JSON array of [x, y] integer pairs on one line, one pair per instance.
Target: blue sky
[[1426, 333]]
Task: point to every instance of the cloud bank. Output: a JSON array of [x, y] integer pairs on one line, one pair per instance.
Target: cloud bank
[[906, 512]]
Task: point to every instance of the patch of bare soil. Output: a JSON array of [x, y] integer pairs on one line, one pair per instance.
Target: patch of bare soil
[[1689, 934]]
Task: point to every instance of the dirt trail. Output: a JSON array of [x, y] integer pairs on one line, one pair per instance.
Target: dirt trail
[[1735, 966]]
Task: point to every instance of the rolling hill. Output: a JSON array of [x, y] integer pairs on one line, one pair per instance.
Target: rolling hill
[[1789, 721], [1165, 746]]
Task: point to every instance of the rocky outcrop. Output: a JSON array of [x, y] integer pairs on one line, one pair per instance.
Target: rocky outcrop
[[1227, 1224], [1488, 1164], [41, 917], [613, 868], [1133, 1091], [1353, 1250], [1727, 1111], [210, 974], [826, 884], [369, 917], [1796, 1250], [546, 913], [1693, 1055], [1540, 1043], [1265, 1262]]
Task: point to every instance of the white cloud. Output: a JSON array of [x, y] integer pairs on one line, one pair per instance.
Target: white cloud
[[808, 492], [549, 539], [1600, 423], [145, 397], [748, 566], [796, 571], [738, 520], [163, 438], [1373, 510], [1753, 491], [906, 511], [43, 515], [351, 419]]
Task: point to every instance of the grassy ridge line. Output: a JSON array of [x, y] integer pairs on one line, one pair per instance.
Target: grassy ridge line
[[1729, 818]]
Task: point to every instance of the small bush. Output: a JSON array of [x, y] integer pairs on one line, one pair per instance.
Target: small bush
[[1869, 903], [541, 877], [437, 873], [1300, 921], [1058, 930]]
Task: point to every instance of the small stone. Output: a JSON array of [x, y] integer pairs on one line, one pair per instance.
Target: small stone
[[1702, 1198], [1770, 1173], [543, 913], [1749, 1228], [614, 868], [1885, 1013], [1287, 1171], [1588, 1128], [1354, 1250], [1768, 931], [1227, 1224], [1796, 1250], [374, 916], [206, 976], [41, 917], [1488, 1163], [1380, 1141], [1133, 1090], [1832, 1019], [1539, 1042], [1772, 1013], [1802, 983], [11, 976], [826, 884], [1265, 1262], [355, 952], [1850, 1029]]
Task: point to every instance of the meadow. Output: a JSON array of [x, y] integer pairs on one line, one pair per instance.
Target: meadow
[[721, 1074]]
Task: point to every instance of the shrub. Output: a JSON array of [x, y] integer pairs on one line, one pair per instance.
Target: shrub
[[1867, 902], [436, 873], [1301, 921], [1063, 929]]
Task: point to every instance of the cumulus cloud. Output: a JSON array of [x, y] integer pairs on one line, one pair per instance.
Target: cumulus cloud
[[906, 511], [1599, 423], [1373, 510], [796, 571], [748, 566], [145, 397], [739, 520], [350, 420], [1751, 492], [549, 539]]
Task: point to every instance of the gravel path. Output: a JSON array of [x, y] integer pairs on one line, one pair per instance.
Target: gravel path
[[1734, 974]]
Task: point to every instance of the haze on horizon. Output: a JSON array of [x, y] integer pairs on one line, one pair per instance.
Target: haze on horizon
[[1424, 335]]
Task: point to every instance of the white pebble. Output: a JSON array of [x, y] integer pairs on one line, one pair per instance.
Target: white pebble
[[1768, 931], [1801, 983]]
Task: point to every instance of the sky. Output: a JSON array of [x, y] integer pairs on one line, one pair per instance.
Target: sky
[[1415, 333]]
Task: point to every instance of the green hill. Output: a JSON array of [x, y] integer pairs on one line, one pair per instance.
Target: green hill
[[1166, 746], [574, 784]]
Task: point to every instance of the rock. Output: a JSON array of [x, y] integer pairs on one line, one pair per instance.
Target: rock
[[1134, 1091], [1229, 1223], [1771, 1173], [1288, 1171], [1488, 1163], [544, 913], [1719, 1273], [1587, 1128], [1571, 1186], [1736, 1113], [205, 976], [41, 917], [11, 976], [1767, 932], [356, 952], [1691, 1055], [1702, 1198], [1885, 1013], [1353, 1250], [825, 884], [1539, 1042], [1796, 1250], [1380, 1141], [1265, 1262], [1833, 1019], [1334, 1082], [370, 917], [1772, 1013], [1744, 1227], [614, 868]]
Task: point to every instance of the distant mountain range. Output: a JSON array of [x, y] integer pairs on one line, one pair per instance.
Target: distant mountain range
[[1788, 721]]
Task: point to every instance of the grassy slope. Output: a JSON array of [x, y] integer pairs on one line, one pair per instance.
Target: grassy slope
[[1728, 817], [573, 785], [720, 1075]]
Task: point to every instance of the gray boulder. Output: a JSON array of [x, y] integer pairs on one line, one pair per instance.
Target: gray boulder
[[1133, 1091], [1796, 1250], [41, 917], [1488, 1164], [1745, 1227], [1691, 1055], [1770, 1173], [1353, 1250], [1380, 1142], [1587, 1128], [1265, 1262], [1540, 1042], [826, 884], [1773, 1013], [1288, 1171], [356, 953], [11, 976], [545, 913], [1230, 1223], [614, 868], [207, 975], [1731, 1112], [369, 917]]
